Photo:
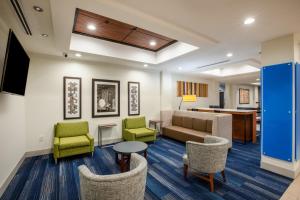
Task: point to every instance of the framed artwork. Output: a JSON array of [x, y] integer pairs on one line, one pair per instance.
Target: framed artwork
[[133, 98], [105, 98], [244, 96], [72, 98]]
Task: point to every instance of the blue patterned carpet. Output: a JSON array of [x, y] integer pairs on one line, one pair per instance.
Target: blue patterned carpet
[[39, 178]]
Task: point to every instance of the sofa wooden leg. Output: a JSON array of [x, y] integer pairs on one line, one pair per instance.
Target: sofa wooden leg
[[223, 175], [211, 182], [185, 170]]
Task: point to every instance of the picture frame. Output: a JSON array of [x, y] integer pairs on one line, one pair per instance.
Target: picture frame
[[244, 96], [105, 98], [133, 98], [72, 97]]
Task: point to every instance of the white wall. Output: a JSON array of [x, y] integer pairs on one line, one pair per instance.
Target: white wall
[[235, 96], [169, 84], [12, 122], [44, 96]]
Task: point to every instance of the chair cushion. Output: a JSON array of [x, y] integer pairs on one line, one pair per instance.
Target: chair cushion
[[71, 129], [199, 124], [141, 132], [209, 124], [176, 120], [137, 122], [187, 122], [71, 142], [185, 159]]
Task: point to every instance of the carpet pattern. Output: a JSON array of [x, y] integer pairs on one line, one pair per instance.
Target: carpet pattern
[[39, 178]]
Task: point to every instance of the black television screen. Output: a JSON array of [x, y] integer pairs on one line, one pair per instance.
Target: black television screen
[[15, 68]]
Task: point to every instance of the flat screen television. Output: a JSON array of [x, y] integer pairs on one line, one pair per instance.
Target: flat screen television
[[15, 69]]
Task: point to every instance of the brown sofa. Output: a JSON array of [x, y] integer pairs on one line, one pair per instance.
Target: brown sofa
[[188, 129], [194, 126]]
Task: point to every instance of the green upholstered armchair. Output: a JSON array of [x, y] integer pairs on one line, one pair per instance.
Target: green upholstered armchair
[[134, 129], [72, 139]]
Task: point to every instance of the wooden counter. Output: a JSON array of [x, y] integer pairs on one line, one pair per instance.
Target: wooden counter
[[243, 122]]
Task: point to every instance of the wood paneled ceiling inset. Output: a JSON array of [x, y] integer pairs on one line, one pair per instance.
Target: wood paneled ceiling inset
[[119, 32]]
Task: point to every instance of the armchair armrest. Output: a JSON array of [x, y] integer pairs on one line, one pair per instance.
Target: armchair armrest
[[55, 148], [127, 135], [91, 139], [154, 130]]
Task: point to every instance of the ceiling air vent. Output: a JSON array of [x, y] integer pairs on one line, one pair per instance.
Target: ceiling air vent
[[21, 16], [212, 64]]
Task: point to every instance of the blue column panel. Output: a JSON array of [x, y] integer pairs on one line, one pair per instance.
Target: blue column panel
[[297, 121], [277, 108]]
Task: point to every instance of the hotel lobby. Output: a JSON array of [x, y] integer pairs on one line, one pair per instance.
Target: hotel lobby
[[132, 100]]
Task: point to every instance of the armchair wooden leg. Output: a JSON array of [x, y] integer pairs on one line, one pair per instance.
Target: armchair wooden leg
[[211, 182], [185, 170], [223, 175]]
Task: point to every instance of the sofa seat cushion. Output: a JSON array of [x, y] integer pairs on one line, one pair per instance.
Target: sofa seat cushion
[[184, 134], [71, 142], [187, 131], [141, 132]]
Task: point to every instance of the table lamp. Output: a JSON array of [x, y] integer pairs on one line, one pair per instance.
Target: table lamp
[[187, 98]]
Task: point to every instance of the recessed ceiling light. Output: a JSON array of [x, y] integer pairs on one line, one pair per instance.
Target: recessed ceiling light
[[91, 27], [249, 20], [38, 9], [179, 68], [78, 55], [152, 43], [145, 65], [44, 35], [229, 54]]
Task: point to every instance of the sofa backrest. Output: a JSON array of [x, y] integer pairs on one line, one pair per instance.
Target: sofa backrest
[[202, 125], [219, 123], [136, 122], [63, 129]]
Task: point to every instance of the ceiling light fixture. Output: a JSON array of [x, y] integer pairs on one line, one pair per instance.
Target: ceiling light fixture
[[91, 27], [179, 68], [145, 65], [229, 55], [152, 43], [44, 35], [38, 9], [78, 55], [257, 79], [249, 20]]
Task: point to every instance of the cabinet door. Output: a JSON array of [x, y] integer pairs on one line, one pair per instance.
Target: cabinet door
[[277, 111]]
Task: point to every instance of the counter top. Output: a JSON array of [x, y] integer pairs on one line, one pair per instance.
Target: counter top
[[227, 110]]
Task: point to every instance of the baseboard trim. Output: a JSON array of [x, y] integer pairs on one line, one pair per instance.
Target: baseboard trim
[[38, 152], [11, 175], [283, 168]]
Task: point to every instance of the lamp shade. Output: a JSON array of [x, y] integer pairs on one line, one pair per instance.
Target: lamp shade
[[189, 98]]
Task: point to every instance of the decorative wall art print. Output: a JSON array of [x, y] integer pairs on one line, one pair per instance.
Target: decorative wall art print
[[133, 98], [105, 98], [244, 96], [72, 98], [190, 88]]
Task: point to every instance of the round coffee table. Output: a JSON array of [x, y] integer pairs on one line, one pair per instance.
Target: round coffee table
[[125, 149]]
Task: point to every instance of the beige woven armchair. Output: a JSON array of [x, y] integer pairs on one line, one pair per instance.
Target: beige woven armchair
[[208, 158], [126, 186]]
